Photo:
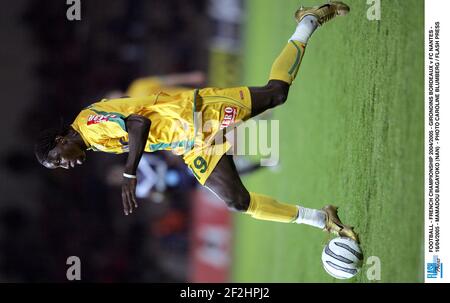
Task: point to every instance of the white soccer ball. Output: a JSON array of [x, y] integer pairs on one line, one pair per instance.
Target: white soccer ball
[[342, 258]]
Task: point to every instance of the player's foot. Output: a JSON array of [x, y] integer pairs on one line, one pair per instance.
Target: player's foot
[[323, 13], [334, 225]]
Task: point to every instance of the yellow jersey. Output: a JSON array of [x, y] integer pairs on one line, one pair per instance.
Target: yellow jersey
[[103, 128]]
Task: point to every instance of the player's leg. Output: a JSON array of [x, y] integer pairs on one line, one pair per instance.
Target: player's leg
[[274, 93], [225, 182], [286, 66]]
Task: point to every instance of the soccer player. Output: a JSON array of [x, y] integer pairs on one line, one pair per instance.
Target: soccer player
[[171, 122]]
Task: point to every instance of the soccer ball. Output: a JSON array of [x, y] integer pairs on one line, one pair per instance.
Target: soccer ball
[[342, 258]]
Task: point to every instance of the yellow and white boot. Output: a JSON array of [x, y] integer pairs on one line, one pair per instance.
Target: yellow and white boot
[[324, 12], [334, 225]]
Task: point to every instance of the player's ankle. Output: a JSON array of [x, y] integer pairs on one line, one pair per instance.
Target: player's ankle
[[312, 217], [305, 29]]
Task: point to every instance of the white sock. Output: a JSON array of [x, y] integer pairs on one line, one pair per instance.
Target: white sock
[[311, 217], [305, 29]]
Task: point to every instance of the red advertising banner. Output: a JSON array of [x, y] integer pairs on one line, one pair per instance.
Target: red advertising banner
[[210, 241]]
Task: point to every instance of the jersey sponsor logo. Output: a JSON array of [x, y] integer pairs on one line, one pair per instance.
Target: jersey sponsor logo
[[229, 116], [94, 119]]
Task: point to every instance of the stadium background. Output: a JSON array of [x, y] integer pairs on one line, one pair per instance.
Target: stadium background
[[350, 134]]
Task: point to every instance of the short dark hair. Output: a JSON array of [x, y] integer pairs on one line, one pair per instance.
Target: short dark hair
[[46, 141]]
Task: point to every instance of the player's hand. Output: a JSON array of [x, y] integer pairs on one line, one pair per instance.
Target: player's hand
[[129, 195]]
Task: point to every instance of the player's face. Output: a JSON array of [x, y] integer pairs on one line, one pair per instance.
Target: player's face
[[66, 154]]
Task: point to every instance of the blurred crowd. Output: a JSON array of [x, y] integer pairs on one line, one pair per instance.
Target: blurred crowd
[[79, 212]]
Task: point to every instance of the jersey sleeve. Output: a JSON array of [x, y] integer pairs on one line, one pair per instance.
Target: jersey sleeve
[[151, 86], [102, 131], [144, 87]]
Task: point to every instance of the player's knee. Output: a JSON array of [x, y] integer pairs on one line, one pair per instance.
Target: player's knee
[[238, 202], [279, 92], [279, 98]]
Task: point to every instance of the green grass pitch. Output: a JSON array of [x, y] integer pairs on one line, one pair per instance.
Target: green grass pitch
[[351, 134]]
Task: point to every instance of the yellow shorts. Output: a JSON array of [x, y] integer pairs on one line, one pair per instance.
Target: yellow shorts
[[216, 110]]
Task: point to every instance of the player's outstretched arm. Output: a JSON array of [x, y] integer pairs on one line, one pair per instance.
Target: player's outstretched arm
[[193, 78], [138, 128]]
